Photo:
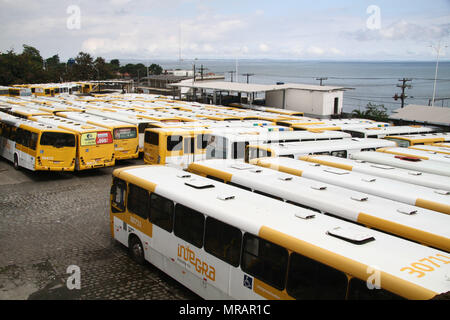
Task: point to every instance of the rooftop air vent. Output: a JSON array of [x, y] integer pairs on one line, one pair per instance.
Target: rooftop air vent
[[369, 179], [183, 175], [336, 171], [305, 215], [415, 173], [198, 184], [380, 166], [225, 197], [319, 187], [407, 211], [442, 192], [359, 198], [350, 235], [241, 166]]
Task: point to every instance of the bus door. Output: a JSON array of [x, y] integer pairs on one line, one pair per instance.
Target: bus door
[[151, 148]]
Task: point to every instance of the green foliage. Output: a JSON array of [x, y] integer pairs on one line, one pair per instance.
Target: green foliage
[[376, 112], [30, 67]]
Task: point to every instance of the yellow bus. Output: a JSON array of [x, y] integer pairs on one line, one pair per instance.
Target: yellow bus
[[125, 135], [94, 145], [36, 146], [26, 113]]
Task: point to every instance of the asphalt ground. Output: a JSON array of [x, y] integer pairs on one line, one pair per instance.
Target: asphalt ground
[[50, 221]]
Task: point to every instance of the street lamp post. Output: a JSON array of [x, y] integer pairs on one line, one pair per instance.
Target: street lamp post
[[438, 50]]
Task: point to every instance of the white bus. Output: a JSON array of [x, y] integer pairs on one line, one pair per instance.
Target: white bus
[[343, 148], [437, 200], [418, 154], [409, 140], [429, 180], [409, 163], [223, 242], [410, 222], [380, 133]]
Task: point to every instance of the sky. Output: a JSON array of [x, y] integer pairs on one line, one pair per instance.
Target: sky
[[217, 29]]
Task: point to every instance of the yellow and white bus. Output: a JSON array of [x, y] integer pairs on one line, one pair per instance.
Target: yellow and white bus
[[343, 148], [429, 180], [380, 133], [407, 221], [35, 146], [414, 195], [405, 162], [406, 141], [223, 242], [340, 127], [94, 145], [185, 145], [417, 154], [141, 123], [125, 135], [432, 148]]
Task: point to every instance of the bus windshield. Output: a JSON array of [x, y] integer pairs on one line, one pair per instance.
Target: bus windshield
[[57, 139], [125, 133], [93, 138]]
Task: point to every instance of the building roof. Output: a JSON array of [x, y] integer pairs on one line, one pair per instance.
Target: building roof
[[253, 88], [423, 114]]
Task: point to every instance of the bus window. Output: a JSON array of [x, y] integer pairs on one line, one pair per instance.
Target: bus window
[[125, 133], [137, 201], [161, 212], [326, 153], [223, 241], [215, 179], [118, 192], [152, 138], [268, 195], [174, 143], [188, 145], [202, 141], [57, 139], [216, 148], [264, 260], [369, 149], [288, 156], [189, 225], [339, 154], [401, 143], [238, 150], [358, 290], [312, 280]]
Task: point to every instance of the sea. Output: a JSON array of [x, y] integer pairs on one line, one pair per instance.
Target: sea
[[375, 82]]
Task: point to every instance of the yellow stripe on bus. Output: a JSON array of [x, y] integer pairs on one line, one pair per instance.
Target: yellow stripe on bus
[[431, 205], [277, 167], [353, 268], [327, 163], [386, 150], [420, 236], [204, 170]]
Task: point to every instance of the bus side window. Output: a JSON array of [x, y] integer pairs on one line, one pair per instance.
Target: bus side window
[[268, 195], [339, 154], [288, 156], [137, 200], [151, 138], [215, 178], [161, 212], [239, 186], [358, 290], [118, 193], [174, 143], [312, 280], [264, 260], [369, 149], [189, 225], [33, 140], [223, 241]]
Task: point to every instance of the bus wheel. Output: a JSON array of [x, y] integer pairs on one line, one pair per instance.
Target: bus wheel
[[16, 162], [136, 250]]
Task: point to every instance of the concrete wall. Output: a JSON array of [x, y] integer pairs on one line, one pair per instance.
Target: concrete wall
[[313, 103]]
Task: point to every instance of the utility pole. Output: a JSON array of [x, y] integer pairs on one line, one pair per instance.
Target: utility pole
[[201, 71], [248, 75], [404, 86], [231, 72], [321, 79]]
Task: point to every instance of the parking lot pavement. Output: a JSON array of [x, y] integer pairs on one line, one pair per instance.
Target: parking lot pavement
[[50, 221]]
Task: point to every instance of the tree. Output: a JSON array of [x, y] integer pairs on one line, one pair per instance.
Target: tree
[[376, 112], [155, 69], [83, 68]]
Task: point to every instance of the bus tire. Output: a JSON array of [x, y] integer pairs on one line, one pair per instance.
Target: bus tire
[[16, 162], [136, 250]]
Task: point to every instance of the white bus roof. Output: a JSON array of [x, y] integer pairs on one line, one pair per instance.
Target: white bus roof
[[324, 146], [423, 154], [16, 121], [393, 130], [336, 200], [93, 119], [278, 222], [429, 166], [68, 124], [379, 170]]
